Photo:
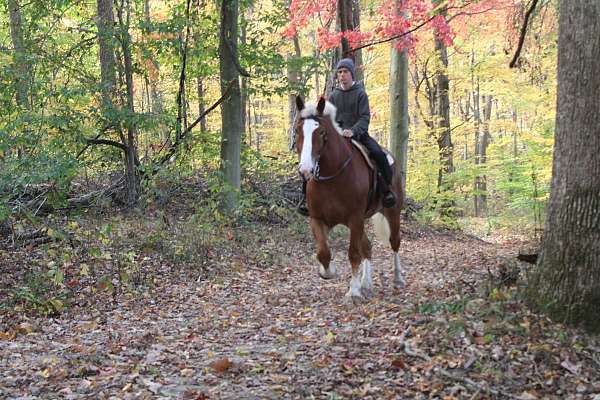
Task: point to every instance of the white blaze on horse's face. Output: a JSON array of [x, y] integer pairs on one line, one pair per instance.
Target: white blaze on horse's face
[[307, 163]]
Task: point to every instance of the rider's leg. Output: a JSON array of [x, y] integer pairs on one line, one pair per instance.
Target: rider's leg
[[377, 154], [302, 208]]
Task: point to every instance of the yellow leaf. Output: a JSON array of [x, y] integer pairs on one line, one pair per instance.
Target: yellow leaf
[[84, 270], [57, 304], [45, 373], [330, 337], [9, 335]]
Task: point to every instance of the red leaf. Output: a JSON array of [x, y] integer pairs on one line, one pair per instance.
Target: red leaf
[[221, 365]]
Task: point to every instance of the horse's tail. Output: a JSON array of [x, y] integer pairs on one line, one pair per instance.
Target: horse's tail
[[382, 227]]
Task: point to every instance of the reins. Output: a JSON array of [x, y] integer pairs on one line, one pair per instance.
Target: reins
[[317, 177], [316, 174]]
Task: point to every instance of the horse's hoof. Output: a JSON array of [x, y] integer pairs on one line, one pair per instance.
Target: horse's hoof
[[355, 299], [367, 292], [327, 274], [399, 283]]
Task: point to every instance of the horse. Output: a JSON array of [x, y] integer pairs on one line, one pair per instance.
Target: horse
[[339, 190]]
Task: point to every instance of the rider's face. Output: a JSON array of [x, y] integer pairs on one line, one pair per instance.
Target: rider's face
[[344, 77]]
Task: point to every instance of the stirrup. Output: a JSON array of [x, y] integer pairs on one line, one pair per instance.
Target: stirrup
[[389, 199], [301, 208]]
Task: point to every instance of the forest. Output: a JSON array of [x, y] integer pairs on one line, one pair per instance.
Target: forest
[[150, 239]]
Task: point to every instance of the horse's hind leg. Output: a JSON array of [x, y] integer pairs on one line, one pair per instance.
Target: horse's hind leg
[[355, 256], [392, 215], [327, 268]]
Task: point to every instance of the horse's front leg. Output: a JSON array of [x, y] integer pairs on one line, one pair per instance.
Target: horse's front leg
[[327, 268], [355, 255], [367, 268]]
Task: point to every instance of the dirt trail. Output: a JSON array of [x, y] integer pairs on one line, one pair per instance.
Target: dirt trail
[[282, 332]]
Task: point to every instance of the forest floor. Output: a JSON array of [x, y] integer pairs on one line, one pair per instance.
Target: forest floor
[[256, 322]]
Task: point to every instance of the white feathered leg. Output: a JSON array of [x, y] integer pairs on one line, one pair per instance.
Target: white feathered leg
[[354, 294], [329, 273], [399, 281], [367, 278]]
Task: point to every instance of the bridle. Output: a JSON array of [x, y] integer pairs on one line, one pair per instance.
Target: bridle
[[316, 170]]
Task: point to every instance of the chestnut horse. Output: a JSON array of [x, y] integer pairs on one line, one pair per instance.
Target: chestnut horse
[[339, 182]]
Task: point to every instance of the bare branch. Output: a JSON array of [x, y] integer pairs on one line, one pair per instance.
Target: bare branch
[[107, 142], [174, 147], [513, 63]]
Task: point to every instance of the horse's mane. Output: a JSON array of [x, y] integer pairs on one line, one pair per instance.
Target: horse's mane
[[310, 110]]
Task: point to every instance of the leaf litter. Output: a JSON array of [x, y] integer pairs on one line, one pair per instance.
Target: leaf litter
[[247, 326]]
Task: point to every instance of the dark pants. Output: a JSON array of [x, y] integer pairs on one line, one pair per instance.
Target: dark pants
[[378, 156]]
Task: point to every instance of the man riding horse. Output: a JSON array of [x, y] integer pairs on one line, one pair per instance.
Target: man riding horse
[[353, 116]]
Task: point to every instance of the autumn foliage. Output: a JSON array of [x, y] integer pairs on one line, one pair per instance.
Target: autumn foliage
[[399, 19]]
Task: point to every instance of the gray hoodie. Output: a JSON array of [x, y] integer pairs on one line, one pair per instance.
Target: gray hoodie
[[353, 110]]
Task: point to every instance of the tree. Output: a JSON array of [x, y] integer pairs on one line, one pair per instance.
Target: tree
[[106, 34], [399, 106], [566, 282], [106, 54], [21, 64], [231, 115]]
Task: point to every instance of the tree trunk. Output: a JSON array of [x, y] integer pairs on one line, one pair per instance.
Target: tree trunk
[[317, 53], [293, 75], [22, 66], [444, 138], [244, 81], [399, 108], [200, 79], [348, 14], [201, 103], [154, 72], [442, 124], [108, 76], [231, 124], [482, 156], [132, 178], [359, 73], [476, 150], [566, 282]]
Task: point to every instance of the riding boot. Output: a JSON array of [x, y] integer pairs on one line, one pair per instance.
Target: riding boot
[[389, 198], [301, 207]]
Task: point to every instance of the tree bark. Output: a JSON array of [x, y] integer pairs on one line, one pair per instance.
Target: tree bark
[[399, 108], [444, 138], [566, 282], [132, 178], [201, 103], [348, 14], [154, 73], [476, 150], [231, 124], [484, 141], [442, 123], [23, 74], [293, 75], [108, 77]]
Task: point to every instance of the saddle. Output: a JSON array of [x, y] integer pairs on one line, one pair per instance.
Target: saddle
[[365, 153]]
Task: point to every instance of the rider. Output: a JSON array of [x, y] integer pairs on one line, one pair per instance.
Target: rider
[[353, 115]]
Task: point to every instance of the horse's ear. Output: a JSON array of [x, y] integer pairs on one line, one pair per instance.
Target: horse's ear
[[299, 103], [321, 106]]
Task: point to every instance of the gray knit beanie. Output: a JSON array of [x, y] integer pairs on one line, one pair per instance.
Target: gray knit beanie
[[346, 63]]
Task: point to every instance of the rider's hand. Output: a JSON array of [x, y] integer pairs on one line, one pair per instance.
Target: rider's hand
[[347, 133]]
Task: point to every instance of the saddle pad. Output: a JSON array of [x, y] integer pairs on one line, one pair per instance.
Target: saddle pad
[[365, 154]]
